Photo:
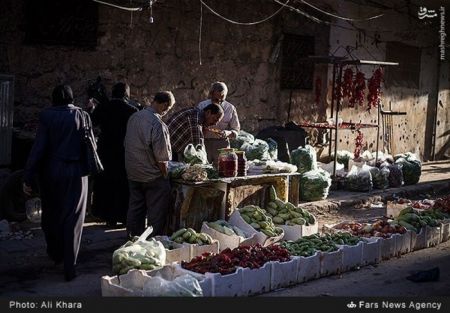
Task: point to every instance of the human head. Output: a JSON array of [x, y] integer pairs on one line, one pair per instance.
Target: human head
[[213, 114], [218, 92], [163, 102], [62, 95], [121, 90], [96, 90]]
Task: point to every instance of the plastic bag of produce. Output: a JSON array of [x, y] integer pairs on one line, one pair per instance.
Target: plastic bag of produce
[[273, 148], [380, 177], [314, 185], [259, 149], [359, 179], [195, 155], [395, 175], [411, 168], [343, 156], [242, 137], [142, 254], [305, 159], [176, 169], [182, 286]]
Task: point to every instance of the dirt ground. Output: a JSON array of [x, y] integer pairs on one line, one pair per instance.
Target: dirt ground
[[25, 269]]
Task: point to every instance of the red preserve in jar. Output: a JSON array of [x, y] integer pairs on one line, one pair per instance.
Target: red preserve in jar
[[227, 163], [242, 163]]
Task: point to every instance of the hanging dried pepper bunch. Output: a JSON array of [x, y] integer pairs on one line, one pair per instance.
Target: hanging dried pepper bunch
[[359, 85], [347, 84], [374, 95], [359, 140], [318, 88]]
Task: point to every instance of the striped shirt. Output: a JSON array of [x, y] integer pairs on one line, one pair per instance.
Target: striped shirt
[[147, 142], [185, 127], [230, 120]]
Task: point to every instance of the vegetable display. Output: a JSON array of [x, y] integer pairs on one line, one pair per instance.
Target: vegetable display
[[308, 245], [259, 220], [359, 85], [195, 172], [359, 179], [414, 220], [442, 204], [189, 235], [226, 228], [227, 261], [382, 227], [286, 213], [395, 175], [380, 177]]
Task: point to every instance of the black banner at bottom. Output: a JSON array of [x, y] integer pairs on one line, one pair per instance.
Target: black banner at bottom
[[232, 305]]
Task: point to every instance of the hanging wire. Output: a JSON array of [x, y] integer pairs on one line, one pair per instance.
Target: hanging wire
[[131, 16], [312, 18], [241, 23], [118, 6], [200, 35], [340, 17]]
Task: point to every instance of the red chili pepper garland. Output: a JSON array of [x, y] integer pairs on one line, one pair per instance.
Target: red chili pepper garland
[[359, 140], [374, 86], [347, 85], [359, 85]]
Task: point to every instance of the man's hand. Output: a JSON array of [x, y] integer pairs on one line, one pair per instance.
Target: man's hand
[[27, 189]]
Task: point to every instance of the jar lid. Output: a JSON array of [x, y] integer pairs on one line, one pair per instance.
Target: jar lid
[[226, 150]]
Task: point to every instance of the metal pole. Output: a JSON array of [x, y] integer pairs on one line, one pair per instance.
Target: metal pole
[[333, 98], [378, 131], [338, 105]]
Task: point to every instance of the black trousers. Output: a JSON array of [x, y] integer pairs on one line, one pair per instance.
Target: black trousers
[[148, 201]]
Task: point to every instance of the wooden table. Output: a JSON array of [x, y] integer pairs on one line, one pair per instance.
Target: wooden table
[[195, 202]]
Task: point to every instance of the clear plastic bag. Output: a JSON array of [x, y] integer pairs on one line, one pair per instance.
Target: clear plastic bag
[[182, 286], [359, 179], [195, 155], [411, 168], [141, 254], [273, 148], [314, 185], [176, 169], [380, 177], [304, 158]]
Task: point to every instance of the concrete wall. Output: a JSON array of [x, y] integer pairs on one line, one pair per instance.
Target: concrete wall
[[165, 55]]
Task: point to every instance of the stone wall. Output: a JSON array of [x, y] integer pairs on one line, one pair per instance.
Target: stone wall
[[166, 55]]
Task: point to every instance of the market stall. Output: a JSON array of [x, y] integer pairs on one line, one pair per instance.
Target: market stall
[[212, 199]]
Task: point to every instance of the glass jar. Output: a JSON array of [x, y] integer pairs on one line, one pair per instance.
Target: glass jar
[[242, 163], [227, 162]]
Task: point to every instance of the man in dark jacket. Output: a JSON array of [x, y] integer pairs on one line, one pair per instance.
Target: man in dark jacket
[[110, 188]]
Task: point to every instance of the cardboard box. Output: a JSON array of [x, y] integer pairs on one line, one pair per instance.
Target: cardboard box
[[228, 241], [351, 256], [418, 240], [256, 281], [433, 236], [445, 230], [283, 274], [226, 285], [371, 251], [298, 231], [260, 237], [330, 262], [388, 248], [180, 253], [403, 243], [308, 267]]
